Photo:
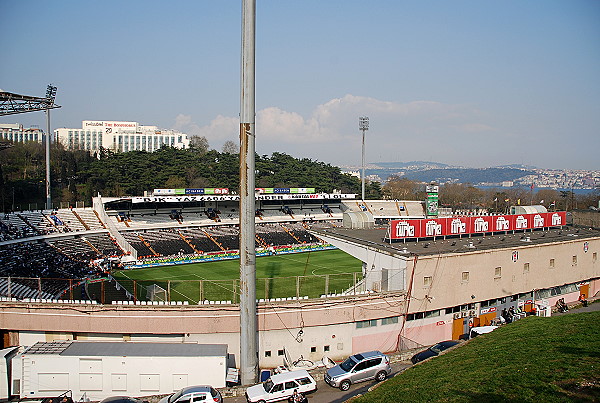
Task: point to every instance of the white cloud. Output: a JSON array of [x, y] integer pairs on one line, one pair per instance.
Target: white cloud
[[398, 131]]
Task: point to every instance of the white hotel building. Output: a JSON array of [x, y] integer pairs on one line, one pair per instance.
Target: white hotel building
[[18, 134], [119, 137]]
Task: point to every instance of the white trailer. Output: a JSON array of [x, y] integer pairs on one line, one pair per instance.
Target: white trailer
[[95, 370]]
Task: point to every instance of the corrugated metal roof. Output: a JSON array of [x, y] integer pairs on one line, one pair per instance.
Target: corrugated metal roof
[[132, 349]]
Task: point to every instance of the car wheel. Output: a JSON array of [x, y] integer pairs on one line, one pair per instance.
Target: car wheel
[[261, 401], [345, 385], [381, 375]]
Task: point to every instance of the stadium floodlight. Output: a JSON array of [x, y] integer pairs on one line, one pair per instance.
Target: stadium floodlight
[[363, 125], [51, 93]]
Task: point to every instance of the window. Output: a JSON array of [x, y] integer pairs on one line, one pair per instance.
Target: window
[[552, 263], [291, 385], [305, 380], [525, 268], [277, 388], [373, 362], [465, 277], [427, 281], [490, 302], [574, 260], [360, 366], [366, 323], [431, 314], [389, 321], [594, 257], [325, 348], [313, 349], [279, 352], [268, 353], [199, 398], [498, 272]]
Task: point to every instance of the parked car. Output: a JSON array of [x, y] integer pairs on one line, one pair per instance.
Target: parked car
[[477, 331], [359, 368], [281, 387], [201, 393], [433, 351]]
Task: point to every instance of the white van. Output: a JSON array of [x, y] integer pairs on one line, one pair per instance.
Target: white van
[[281, 387]]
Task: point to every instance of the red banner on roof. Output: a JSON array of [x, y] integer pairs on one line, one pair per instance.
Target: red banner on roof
[[449, 226]]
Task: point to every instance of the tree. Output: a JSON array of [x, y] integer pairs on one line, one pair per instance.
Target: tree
[[373, 190], [401, 188], [229, 147], [199, 144], [175, 182]]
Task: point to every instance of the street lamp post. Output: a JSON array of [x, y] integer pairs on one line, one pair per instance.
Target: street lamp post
[[363, 125]]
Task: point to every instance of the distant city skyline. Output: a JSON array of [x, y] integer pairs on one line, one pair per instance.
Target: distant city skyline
[[475, 84]]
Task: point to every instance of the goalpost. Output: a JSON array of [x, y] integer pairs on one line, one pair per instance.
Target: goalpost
[[154, 292]]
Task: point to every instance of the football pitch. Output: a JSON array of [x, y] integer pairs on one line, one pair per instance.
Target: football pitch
[[309, 274]]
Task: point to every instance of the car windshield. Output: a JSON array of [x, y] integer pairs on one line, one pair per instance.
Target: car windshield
[[175, 396], [437, 348], [268, 385], [348, 364]]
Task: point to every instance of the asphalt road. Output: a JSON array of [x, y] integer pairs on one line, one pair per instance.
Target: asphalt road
[[327, 394]]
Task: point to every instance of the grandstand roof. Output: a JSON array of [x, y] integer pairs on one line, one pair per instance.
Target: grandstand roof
[[197, 198]]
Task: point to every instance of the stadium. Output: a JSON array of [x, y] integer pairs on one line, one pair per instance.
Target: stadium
[[335, 275]]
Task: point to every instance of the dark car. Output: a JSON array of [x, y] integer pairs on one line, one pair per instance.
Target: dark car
[[433, 351]]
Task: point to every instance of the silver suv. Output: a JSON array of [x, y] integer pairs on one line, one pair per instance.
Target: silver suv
[[359, 368]]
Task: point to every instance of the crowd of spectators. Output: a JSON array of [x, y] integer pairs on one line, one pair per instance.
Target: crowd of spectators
[[171, 242], [13, 227], [38, 259]]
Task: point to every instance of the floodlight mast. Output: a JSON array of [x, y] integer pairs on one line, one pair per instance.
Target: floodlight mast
[[50, 95], [248, 318], [363, 125], [12, 104]]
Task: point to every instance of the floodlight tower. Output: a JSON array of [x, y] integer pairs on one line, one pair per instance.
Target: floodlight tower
[[363, 125], [12, 104], [50, 95]]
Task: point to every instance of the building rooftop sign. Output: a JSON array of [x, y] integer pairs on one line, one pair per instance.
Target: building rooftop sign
[[452, 226]]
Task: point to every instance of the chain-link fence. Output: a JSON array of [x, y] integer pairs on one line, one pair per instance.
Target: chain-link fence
[[107, 290]]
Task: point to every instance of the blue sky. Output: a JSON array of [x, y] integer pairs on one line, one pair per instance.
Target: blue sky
[[472, 83]]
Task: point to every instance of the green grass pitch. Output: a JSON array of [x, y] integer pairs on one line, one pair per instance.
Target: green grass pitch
[[320, 272]]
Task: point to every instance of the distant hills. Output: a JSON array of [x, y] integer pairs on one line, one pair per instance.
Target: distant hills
[[468, 175], [428, 171]]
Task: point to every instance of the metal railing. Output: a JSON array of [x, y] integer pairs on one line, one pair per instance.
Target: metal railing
[[106, 290]]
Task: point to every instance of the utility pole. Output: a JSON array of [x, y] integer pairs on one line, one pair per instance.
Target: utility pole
[[248, 318], [363, 124]]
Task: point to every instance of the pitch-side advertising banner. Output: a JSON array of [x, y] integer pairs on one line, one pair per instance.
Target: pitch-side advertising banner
[[434, 227]]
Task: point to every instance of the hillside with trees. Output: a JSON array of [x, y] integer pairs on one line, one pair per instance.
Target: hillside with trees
[[77, 176]]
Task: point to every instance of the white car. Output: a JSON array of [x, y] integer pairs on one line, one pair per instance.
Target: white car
[[204, 394], [281, 387]]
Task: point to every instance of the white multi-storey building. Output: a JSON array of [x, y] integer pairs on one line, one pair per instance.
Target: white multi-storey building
[[119, 137], [17, 133]]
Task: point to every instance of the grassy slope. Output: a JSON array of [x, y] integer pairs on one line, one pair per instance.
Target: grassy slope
[[532, 360], [278, 270]]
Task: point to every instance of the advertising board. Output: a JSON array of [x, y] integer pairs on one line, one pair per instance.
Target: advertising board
[[435, 227]]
